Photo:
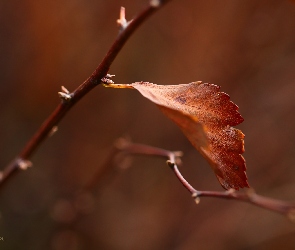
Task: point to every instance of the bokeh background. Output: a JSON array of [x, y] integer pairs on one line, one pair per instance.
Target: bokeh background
[[247, 47]]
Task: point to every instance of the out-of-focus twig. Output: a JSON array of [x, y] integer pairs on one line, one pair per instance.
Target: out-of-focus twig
[[69, 99], [279, 206]]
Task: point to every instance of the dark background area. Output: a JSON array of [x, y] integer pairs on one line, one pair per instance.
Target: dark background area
[[246, 47]]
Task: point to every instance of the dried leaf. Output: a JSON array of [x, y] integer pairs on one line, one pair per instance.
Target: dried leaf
[[205, 116]]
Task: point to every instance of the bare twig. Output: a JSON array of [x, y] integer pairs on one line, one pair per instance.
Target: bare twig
[[282, 207], [69, 99]]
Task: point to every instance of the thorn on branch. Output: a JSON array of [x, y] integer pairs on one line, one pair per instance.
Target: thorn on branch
[[64, 97], [53, 131], [177, 155], [65, 90], [197, 200], [110, 76], [65, 94], [196, 197], [106, 80], [24, 164], [122, 21]]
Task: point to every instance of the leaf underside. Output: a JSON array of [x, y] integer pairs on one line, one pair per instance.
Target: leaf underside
[[206, 116]]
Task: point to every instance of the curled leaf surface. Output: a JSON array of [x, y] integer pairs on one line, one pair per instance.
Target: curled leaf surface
[[206, 116]]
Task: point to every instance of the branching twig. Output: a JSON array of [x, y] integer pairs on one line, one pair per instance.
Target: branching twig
[[285, 208], [69, 99]]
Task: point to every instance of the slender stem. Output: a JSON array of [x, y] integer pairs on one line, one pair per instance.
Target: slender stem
[[67, 103], [287, 208], [279, 206]]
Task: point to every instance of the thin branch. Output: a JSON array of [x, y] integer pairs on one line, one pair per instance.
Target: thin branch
[[69, 99], [279, 206]]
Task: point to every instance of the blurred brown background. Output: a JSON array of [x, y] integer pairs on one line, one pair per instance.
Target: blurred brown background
[[247, 47]]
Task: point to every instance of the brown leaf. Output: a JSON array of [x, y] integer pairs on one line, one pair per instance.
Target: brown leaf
[[205, 116]]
